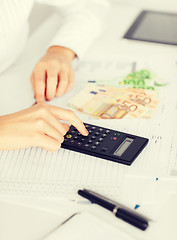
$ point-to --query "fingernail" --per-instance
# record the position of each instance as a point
(86, 132)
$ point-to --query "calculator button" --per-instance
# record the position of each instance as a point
(86, 125)
(79, 144)
(72, 141)
(93, 128)
(86, 145)
(100, 139)
(97, 143)
(82, 139)
(73, 131)
(117, 134)
(104, 135)
(90, 141)
(97, 133)
(93, 147)
(114, 138)
(90, 131)
(93, 137)
(104, 149)
(78, 134)
(76, 137)
(68, 136)
(107, 131)
(100, 129)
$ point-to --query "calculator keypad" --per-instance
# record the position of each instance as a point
(96, 137)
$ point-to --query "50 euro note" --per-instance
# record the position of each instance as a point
(104, 105)
(144, 97)
(147, 98)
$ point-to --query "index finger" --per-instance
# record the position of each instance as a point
(39, 85)
(69, 116)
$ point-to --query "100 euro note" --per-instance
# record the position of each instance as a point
(113, 103)
(143, 79)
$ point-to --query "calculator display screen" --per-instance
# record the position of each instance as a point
(123, 147)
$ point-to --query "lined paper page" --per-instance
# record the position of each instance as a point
(37, 172)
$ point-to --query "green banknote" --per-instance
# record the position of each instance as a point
(144, 79)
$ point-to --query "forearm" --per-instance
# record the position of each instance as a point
(62, 52)
(82, 22)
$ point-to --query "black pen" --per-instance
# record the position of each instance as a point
(119, 210)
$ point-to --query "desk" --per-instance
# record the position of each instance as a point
(111, 43)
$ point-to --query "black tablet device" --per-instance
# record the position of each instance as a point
(152, 26)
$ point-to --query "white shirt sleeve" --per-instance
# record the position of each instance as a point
(82, 22)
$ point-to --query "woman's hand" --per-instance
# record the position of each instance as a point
(53, 75)
(37, 126)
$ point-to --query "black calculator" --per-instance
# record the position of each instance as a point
(105, 143)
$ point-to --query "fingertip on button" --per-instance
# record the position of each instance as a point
(86, 133)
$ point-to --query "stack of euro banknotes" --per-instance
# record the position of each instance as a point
(134, 96)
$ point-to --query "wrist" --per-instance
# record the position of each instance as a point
(66, 53)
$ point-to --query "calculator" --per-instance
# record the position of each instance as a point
(105, 143)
